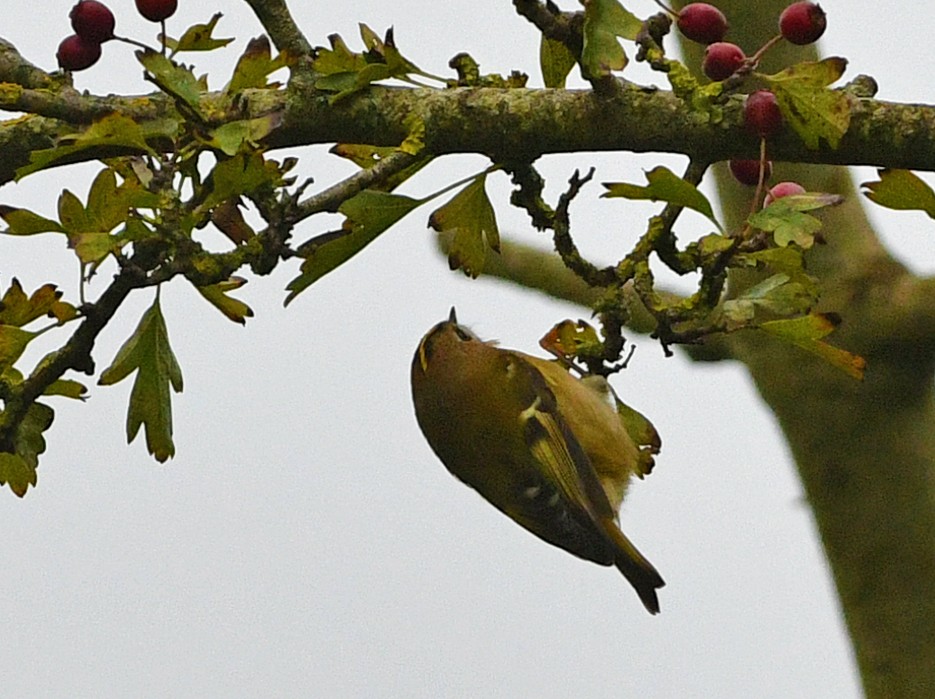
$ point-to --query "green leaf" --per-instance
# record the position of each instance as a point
(642, 432)
(175, 80)
(813, 110)
(13, 342)
(235, 309)
(786, 219)
(806, 332)
(25, 222)
(148, 353)
(470, 217)
(254, 66)
(243, 173)
(18, 469)
(67, 388)
(109, 204)
(72, 214)
(245, 134)
(198, 37)
(367, 156)
(369, 213)
(555, 61)
(901, 189)
(338, 59)
(778, 294)
(604, 21)
(665, 185)
(112, 132)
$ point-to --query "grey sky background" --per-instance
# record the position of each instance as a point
(306, 542)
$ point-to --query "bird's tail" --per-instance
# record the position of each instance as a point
(638, 571)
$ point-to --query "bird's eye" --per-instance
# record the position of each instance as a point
(463, 334)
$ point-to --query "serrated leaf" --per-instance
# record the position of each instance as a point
(469, 215)
(18, 469)
(17, 309)
(901, 189)
(198, 37)
(786, 219)
(814, 111)
(806, 332)
(25, 222)
(664, 185)
(604, 21)
(555, 61)
(369, 213)
(148, 353)
(112, 132)
(338, 59)
(13, 343)
(235, 309)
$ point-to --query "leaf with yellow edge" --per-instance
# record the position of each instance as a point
(806, 332)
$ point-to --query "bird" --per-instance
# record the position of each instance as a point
(541, 445)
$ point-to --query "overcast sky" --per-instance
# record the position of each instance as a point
(306, 542)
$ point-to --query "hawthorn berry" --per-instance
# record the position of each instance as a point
(93, 21)
(721, 60)
(157, 10)
(802, 22)
(748, 171)
(702, 22)
(761, 113)
(783, 189)
(77, 53)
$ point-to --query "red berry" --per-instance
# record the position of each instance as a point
(77, 53)
(761, 113)
(722, 60)
(92, 21)
(157, 10)
(802, 22)
(783, 189)
(702, 22)
(748, 171)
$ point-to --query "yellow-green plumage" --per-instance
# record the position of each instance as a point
(542, 446)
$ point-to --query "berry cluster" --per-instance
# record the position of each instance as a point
(800, 23)
(94, 23)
